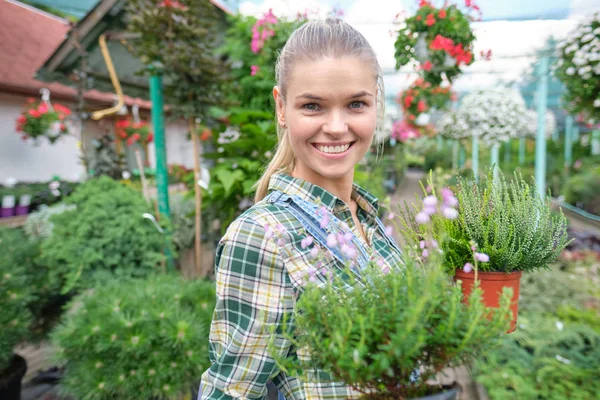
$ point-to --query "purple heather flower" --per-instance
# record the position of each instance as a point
(422, 218)
(482, 257)
(425, 253)
(325, 217)
(449, 212)
(385, 269)
(434, 244)
(280, 242)
(429, 210)
(331, 240)
(341, 238)
(349, 251)
(389, 230)
(430, 201)
(314, 251)
(422, 244)
(380, 262)
(348, 236)
(268, 231)
(307, 241)
(312, 275)
(391, 216)
(468, 267)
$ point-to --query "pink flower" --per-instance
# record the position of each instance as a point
(280, 242)
(425, 253)
(468, 267)
(427, 66)
(349, 251)
(331, 240)
(43, 108)
(269, 232)
(429, 210)
(449, 212)
(422, 218)
(430, 201)
(254, 70)
(482, 257)
(314, 251)
(325, 217)
(307, 241)
(280, 228)
(422, 244)
(391, 216)
(348, 237)
(389, 230)
(385, 269)
(341, 239)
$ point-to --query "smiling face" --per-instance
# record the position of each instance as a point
(330, 110)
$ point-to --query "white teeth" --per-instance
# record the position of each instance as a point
(333, 149)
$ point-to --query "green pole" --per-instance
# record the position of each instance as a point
(461, 157)
(495, 159)
(158, 125)
(540, 140)
(507, 151)
(576, 134)
(475, 157)
(568, 141)
(522, 144)
(596, 142)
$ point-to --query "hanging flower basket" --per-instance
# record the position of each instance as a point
(419, 100)
(578, 68)
(42, 119)
(439, 39)
(134, 132)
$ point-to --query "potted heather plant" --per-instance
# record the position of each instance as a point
(136, 339)
(506, 226)
(387, 332)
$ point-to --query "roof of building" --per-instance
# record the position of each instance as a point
(28, 37)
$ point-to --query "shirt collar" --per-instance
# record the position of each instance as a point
(308, 191)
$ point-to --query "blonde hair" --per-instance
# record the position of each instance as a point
(313, 41)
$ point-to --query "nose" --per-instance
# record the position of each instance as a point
(335, 124)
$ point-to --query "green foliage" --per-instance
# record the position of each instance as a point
(508, 221)
(181, 41)
(583, 190)
(243, 147)
(16, 291)
(373, 335)
(105, 233)
(104, 160)
(136, 338)
(247, 90)
(555, 352)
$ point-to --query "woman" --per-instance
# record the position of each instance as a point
(329, 97)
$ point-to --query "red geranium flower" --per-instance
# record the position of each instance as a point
(430, 20)
(442, 14)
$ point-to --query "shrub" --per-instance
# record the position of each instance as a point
(583, 190)
(136, 338)
(105, 233)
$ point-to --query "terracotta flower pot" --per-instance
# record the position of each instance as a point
(492, 284)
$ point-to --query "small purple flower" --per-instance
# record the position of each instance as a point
(348, 236)
(325, 217)
(331, 240)
(349, 251)
(449, 212)
(425, 253)
(345, 227)
(307, 241)
(422, 218)
(312, 275)
(391, 216)
(468, 267)
(430, 201)
(341, 239)
(314, 251)
(280, 228)
(422, 244)
(449, 199)
(386, 269)
(380, 262)
(482, 257)
(429, 210)
(389, 230)
(434, 244)
(280, 242)
(268, 231)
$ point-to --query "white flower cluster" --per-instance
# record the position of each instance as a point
(229, 136)
(453, 125)
(495, 115)
(532, 124)
(581, 50)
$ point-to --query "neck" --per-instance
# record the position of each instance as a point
(339, 187)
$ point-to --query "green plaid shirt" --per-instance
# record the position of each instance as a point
(258, 282)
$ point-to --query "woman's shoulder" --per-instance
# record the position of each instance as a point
(257, 219)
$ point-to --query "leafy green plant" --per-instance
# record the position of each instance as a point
(243, 146)
(508, 221)
(16, 292)
(38, 225)
(136, 338)
(182, 220)
(104, 159)
(106, 232)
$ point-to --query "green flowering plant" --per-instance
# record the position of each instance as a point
(439, 39)
(578, 67)
(387, 331)
(506, 223)
(136, 338)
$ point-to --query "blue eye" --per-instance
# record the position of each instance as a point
(357, 105)
(311, 107)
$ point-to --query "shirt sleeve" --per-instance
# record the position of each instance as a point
(254, 294)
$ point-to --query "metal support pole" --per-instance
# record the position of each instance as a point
(568, 141)
(596, 142)
(540, 140)
(576, 134)
(158, 125)
(495, 159)
(475, 157)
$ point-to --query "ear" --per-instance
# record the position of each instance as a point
(279, 105)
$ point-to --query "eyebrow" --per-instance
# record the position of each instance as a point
(311, 96)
